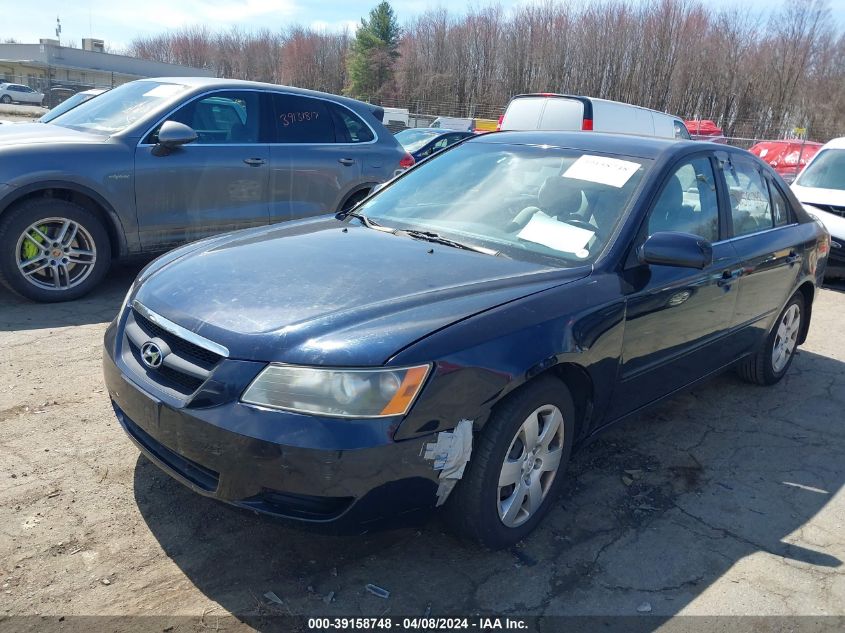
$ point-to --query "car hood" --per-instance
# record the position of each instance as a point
(818, 202)
(324, 292)
(29, 133)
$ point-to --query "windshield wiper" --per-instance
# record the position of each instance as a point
(370, 224)
(430, 236)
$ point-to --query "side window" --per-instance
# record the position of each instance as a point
(299, 119)
(349, 128)
(749, 194)
(223, 117)
(780, 207)
(688, 201)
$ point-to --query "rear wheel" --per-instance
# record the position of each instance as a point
(771, 363)
(52, 250)
(6, 99)
(517, 465)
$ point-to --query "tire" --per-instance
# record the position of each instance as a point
(6, 99)
(766, 367)
(476, 506)
(354, 199)
(58, 273)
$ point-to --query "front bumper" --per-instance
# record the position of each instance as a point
(348, 474)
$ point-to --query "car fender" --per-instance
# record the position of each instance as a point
(17, 191)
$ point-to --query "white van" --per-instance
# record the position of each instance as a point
(547, 111)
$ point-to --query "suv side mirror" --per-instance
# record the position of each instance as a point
(173, 134)
(684, 250)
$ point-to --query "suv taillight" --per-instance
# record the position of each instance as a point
(407, 161)
(499, 124)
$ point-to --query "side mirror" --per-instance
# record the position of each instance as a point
(683, 250)
(173, 134)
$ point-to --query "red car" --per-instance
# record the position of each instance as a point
(786, 157)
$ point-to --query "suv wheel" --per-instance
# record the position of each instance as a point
(769, 365)
(517, 465)
(52, 250)
(6, 99)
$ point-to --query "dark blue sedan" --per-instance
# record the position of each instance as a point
(452, 339)
(423, 142)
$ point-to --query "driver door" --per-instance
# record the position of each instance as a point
(218, 183)
(678, 320)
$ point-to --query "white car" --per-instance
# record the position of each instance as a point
(18, 93)
(820, 187)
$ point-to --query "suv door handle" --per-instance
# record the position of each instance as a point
(728, 276)
(346, 161)
(254, 162)
(793, 258)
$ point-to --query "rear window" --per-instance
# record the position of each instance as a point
(523, 114)
(302, 120)
(563, 114)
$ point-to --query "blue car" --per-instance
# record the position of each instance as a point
(453, 338)
(423, 142)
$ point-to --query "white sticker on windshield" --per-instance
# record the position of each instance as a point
(164, 90)
(560, 236)
(603, 170)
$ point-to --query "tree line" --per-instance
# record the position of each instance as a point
(756, 75)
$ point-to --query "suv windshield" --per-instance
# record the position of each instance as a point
(538, 203)
(119, 108)
(827, 171)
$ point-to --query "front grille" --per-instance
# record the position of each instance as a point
(183, 370)
(177, 345)
(298, 506)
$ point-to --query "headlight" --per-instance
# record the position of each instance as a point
(346, 393)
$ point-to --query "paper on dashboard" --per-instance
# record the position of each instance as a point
(560, 236)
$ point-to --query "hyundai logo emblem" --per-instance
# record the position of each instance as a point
(151, 355)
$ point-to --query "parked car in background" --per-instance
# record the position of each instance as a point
(423, 142)
(451, 340)
(548, 111)
(155, 163)
(705, 130)
(786, 157)
(70, 103)
(821, 189)
(18, 93)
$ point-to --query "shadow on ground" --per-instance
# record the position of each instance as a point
(100, 306)
(658, 510)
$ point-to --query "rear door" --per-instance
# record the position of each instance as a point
(318, 153)
(761, 223)
(678, 319)
(218, 183)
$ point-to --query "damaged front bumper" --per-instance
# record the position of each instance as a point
(345, 474)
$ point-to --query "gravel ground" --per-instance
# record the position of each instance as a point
(725, 500)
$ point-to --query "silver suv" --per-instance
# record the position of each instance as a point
(159, 162)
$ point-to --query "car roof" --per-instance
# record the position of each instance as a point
(623, 144)
(836, 143)
(199, 83)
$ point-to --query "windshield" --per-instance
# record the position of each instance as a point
(557, 205)
(120, 107)
(412, 140)
(68, 104)
(827, 171)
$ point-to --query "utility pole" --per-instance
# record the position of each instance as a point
(59, 30)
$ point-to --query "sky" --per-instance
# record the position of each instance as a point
(118, 22)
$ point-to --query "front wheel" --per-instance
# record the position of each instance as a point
(52, 250)
(6, 99)
(771, 363)
(517, 466)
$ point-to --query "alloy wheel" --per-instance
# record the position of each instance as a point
(786, 338)
(55, 254)
(530, 465)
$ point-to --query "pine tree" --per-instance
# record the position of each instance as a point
(374, 53)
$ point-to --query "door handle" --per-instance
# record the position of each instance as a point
(793, 258)
(346, 161)
(254, 162)
(729, 276)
